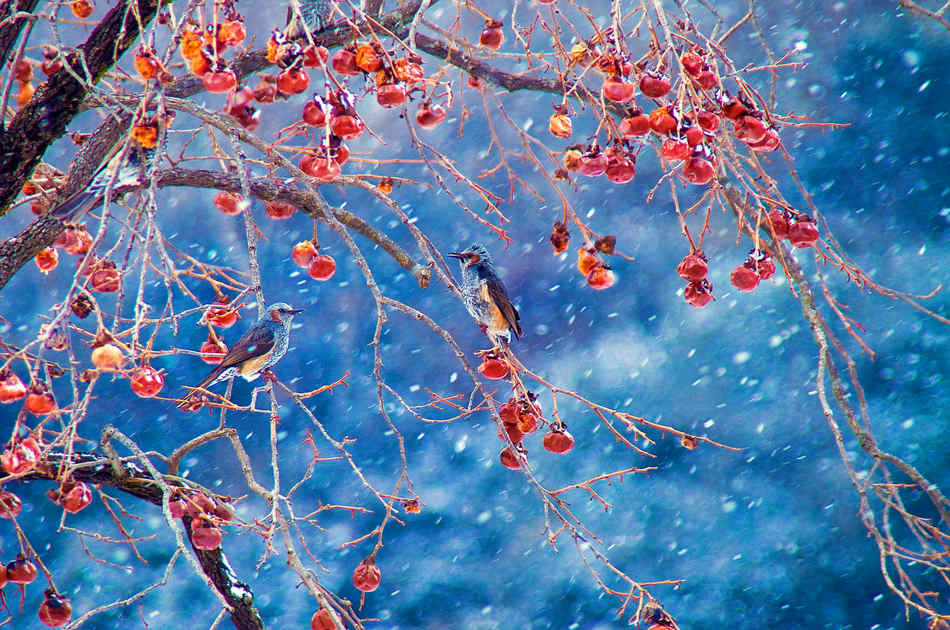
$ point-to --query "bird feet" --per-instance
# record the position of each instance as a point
(268, 376)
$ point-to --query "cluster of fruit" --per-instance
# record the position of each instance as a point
(797, 228)
(686, 120)
(394, 79)
(55, 611)
(205, 517)
(306, 255)
(521, 417)
(19, 458)
(23, 74)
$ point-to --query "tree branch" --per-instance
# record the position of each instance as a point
(270, 190)
(19, 250)
(131, 479)
(44, 119)
(11, 30)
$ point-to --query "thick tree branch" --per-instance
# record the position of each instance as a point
(11, 30)
(21, 249)
(45, 118)
(128, 477)
(483, 70)
(270, 190)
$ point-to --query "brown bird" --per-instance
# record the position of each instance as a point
(485, 296)
(263, 345)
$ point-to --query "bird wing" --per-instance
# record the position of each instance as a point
(499, 297)
(314, 14)
(126, 162)
(256, 342)
(76, 206)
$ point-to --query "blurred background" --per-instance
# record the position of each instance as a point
(768, 535)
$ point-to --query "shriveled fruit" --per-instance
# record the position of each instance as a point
(228, 202)
(674, 150)
(692, 268)
(21, 456)
(600, 278)
(430, 116)
(347, 127)
(750, 129)
(699, 171)
(82, 8)
(21, 571)
(586, 260)
(206, 537)
(212, 352)
(558, 441)
(560, 125)
(292, 81)
(765, 268)
(107, 357)
(105, 278)
(654, 85)
(71, 496)
(593, 164)
(391, 95)
(492, 36)
(635, 125)
(367, 59)
(698, 294)
(344, 62)
(10, 506)
(222, 314)
(313, 113)
(617, 90)
(779, 224)
(744, 279)
(47, 259)
(620, 170)
(367, 576)
(661, 121)
(509, 459)
(302, 253)
(12, 388)
(55, 611)
(323, 619)
(219, 81)
(803, 233)
(40, 402)
(279, 209)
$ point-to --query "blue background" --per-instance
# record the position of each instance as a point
(766, 536)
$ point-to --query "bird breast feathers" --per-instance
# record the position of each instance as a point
(498, 320)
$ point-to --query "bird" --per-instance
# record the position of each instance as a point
(313, 16)
(122, 169)
(264, 344)
(485, 296)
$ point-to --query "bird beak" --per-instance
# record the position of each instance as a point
(456, 254)
(296, 311)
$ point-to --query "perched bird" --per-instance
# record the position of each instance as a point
(485, 296)
(124, 168)
(314, 15)
(263, 345)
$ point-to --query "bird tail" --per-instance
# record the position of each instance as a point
(188, 398)
(76, 206)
